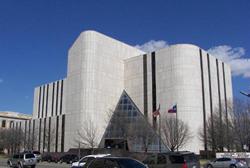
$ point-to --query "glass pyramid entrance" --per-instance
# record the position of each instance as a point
(128, 129)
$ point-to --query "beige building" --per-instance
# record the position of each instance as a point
(8, 118)
(12, 120)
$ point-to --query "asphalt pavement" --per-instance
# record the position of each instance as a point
(3, 164)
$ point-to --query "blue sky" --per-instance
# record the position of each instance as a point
(35, 36)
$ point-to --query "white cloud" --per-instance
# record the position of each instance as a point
(152, 45)
(240, 66)
(1, 80)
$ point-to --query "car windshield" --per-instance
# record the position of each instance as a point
(28, 156)
(129, 163)
(84, 160)
(190, 158)
(176, 159)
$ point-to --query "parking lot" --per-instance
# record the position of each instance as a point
(3, 164)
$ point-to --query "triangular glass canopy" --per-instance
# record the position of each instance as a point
(129, 129)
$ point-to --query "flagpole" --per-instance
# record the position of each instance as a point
(177, 131)
(159, 132)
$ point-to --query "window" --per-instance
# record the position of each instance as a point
(150, 159)
(127, 163)
(111, 164)
(36, 152)
(227, 159)
(222, 159)
(98, 163)
(87, 159)
(125, 107)
(161, 159)
(176, 159)
(190, 158)
(29, 155)
(3, 123)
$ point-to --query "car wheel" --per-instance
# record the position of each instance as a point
(19, 165)
(209, 166)
(233, 166)
(33, 166)
(9, 164)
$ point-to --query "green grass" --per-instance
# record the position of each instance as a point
(3, 156)
(203, 162)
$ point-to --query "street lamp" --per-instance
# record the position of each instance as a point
(244, 93)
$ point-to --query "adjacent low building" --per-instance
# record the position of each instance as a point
(101, 70)
(8, 118)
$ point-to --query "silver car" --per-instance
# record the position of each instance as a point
(226, 163)
(37, 155)
(22, 160)
(86, 159)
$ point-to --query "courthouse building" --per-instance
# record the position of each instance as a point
(8, 118)
(102, 70)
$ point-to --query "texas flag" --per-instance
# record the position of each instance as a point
(173, 109)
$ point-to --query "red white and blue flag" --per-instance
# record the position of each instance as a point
(157, 111)
(173, 109)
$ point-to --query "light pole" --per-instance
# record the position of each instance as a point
(245, 94)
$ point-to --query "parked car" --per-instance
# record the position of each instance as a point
(51, 157)
(22, 160)
(46, 157)
(227, 163)
(37, 155)
(114, 162)
(80, 163)
(69, 158)
(172, 159)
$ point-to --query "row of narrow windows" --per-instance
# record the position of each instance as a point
(29, 132)
(43, 97)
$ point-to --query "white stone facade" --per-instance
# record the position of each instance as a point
(178, 81)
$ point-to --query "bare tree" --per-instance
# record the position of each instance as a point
(87, 135)
(11, 139)
(242, 125)
(222, 127)
(175, 133)
(216, 133)
(141, 132)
